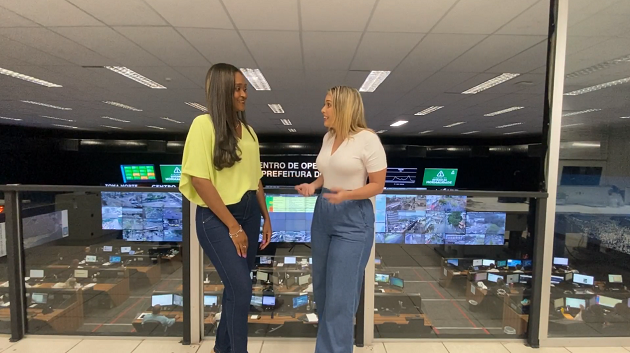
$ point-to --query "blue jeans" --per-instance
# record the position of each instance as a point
(234, 270)
(341, 238)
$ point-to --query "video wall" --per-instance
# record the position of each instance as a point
(143, 216)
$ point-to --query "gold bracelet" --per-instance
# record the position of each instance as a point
(235, 235)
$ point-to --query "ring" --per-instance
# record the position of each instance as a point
(243, 246)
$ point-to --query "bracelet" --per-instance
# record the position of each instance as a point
(235, 235)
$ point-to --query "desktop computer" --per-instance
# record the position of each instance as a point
(115, 259)
(381, 278)
(162, 300)
(300, 301)
(210, 300)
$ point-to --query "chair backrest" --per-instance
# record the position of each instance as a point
(149, 327)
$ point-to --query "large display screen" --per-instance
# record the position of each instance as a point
(171, 173)
(401, 177)
(143, 216)
(439, 177)
(138, 173)
(291, 217)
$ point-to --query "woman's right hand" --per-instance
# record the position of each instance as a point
(240, 240)
(305, 189)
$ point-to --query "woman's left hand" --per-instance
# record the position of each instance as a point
(336, 196)
(266, 234)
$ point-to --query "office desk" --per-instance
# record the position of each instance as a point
(153, 274)
(512, 318)
(448, 274)
(67, 319)
(218, 289)
(401, 320)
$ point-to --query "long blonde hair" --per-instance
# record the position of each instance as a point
(349, 112)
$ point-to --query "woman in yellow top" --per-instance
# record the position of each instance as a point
(221, 174)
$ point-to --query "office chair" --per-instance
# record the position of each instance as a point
(153, 328)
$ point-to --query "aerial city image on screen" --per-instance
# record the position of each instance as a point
(143, 216)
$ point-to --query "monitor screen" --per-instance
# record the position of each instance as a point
(291, 216)
(438, 177)
(528, 263)
(138, 173)
(290, 260)
(575, 303)
(488, 262)
(501, 263)
(81, 274)
(39, 298)
(310, 260)
(36, 273)
(262, 276)
(561, 261)
(611, 278)
(381, 278)
(401, 177)
(90, 258)
(265, 260)
(515, 278)
(300, 301)
(585, 280)
(170, 173)
(607, 301)
(178, 300)
(377, 261)
(525, 279)
(125, 249)
(162, 299)
(557, 279)
(454, 262)
(494, 278)
(269, 300)
(568, 277)
(107, 248)
(477, 262)
(481, 276)
(558, 303)
(256, 300)
(115, 259)
(302, 280)
(514, 263)
(397, 282)
(210, 300)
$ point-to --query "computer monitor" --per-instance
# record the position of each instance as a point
(453, 262)
(107, 248)
(558, 303)
(478, 262)
(501, 263)
(300, 301)
(302, 280)
(262, 276)
(611, 278)
(557, 279)
(514, 263)
(381, 278)
(81, 274)
(162, 299)
(377, 261)
(397, 282)
(525, 279)
(575, 303)
(515, 278)
(125, 249)
(265, 260)
(178, 300)
(568, 277)
(115, 259)
(90, 258)
(310, 260)
(36, 273)
(210, 300)
(268, 300)
(290, 260)
(607, 301)
(256, 300)
(561, 261)
(494, 278)
(528, 263)
(583, 280)
(39, 298)
(482, 276)
(487, 263)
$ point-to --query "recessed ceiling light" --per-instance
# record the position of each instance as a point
(172, 120)
(292, 130)
(504, 111)
(381, 131)
(598, 67)
(13, 119)
(469, 132)
(46, 105)
(490, 83)
(65, 126)
(455, 124)
(624, 117)
(598, 87)
(514, 133)
(276, 108)
(124, 106)
(581, 112)
(429, 110)
(114, 119)
(155, 127)
(55, 118)
(256, 79)
(508, 125)
(112, 127)
(571, 125)
(286, 122)
(426, 132)
(399, 123)
(586, 144)
(374, 79)
(198, 106)
(28, 78)
(130, 74)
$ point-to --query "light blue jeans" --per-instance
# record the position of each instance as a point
(341, 238)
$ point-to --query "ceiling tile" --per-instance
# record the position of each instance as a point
(273, 49)
(193, 13)
(329, 50)
(10, 19)
(165, 43)
(601, 25)
(196, 74)
(481, 16)
(219, 45)
(534, 21)
(408, 15)
(322, 81)
(264, 15)
(121, 12)
(432, 55)
(336, 15)
(52, 13)
(29, 54)
(384, 51)
(525, 61)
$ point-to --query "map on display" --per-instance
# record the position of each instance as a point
(291, 217)
(38, 230)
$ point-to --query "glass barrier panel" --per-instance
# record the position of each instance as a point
(5, 315)
(103, 263)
